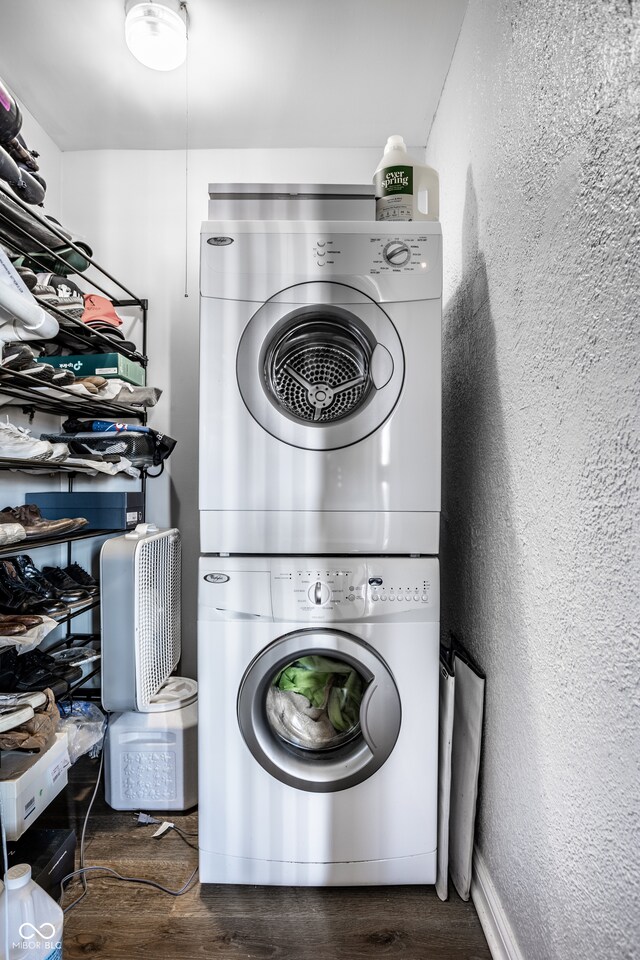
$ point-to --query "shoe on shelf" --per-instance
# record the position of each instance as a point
(16, 351)
(11, 626)
(36, 581)
(59, 452)
(64, 584)
(36, 525)
(13, 717)
(11, 533)
(62, 378)
(15, 597)
(8, 669)
(79, 575)
(28, 620)
(50, 297)
(39, 678)
(20, 358)
(27, 276)
(16, 443)
(37, 670)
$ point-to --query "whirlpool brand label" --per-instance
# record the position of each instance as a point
(216, 578)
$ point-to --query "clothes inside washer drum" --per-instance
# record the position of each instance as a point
(294, 719)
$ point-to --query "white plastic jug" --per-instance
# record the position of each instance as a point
(30, 920)
(405, 189)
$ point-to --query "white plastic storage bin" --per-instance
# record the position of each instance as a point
(151, 758)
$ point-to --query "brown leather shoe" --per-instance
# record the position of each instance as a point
(28, 620)
(36, 525)
(9, 627)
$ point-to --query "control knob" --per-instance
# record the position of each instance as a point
(397, 253)
(319, 593)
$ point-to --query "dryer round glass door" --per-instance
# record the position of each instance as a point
(319, 710)
(320, 366)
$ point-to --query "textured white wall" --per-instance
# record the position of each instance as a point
(536, 143)
(144, 227)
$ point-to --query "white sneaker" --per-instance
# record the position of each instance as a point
(17, 444)
(59, 452)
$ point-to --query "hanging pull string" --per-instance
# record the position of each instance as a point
(183, 6)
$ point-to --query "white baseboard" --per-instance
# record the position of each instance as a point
(498, 932)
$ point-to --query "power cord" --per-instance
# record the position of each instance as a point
(114, 873)
(141, 818)
(145, 819)
(85, 889)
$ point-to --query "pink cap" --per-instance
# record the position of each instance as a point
(99, 308)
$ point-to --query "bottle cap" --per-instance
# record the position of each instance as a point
(396, 142)
(18, 876)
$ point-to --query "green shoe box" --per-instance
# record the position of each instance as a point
(100, 365)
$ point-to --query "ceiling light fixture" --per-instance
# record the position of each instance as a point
(156, 32)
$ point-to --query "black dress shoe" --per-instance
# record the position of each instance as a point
(80, 576)
(16, 598)
(37, 661)
(36, 581)
(8, 670)
(63, 582)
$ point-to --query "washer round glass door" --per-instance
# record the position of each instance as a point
(320, 366)
(319, 710)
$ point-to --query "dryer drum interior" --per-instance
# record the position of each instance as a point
(318, 368)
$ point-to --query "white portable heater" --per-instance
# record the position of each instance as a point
(151, 743)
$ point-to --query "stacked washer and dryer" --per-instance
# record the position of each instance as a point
(319, 496)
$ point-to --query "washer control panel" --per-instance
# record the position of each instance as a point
(329, 590)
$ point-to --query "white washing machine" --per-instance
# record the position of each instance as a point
(318, 720)
(320, 346)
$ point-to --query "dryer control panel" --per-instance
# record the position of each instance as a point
(328, 590)
(253, 261)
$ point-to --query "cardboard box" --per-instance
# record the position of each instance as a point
(118, 510)
(109, 365)
(29, 782)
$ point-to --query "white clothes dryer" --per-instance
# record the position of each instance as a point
(320, 408)
(318, 720)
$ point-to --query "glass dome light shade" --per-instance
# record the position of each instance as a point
(156, 33)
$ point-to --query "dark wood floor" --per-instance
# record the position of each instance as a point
(120, 921)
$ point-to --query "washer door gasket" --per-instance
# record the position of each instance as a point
(320, 375)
